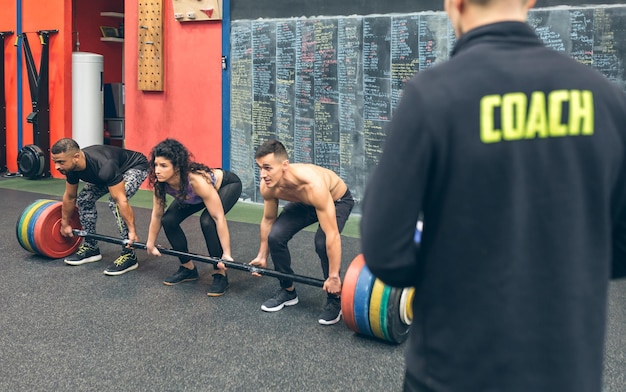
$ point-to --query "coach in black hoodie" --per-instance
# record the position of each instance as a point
(516, 157)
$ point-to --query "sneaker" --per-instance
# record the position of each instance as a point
(84, 254)
(126, 262)
(219, 285)
(182, 275)
(332, 311)
(281, 299)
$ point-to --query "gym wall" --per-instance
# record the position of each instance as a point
(48, 15)
(326, 86)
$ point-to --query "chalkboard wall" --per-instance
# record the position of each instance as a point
(327, 86)
(254, 9)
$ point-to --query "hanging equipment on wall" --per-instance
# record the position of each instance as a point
(3, 111)
(33, 160)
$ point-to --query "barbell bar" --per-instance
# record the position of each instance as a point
(375, 307)
(206, 259)
(369, 307)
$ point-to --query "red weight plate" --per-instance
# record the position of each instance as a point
(347, 291)
(48, 233)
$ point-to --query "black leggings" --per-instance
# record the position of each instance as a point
(295, 217)
(229, 193)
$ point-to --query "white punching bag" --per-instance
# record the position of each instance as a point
(87, 98)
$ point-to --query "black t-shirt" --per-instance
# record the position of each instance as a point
(514, 154)
(106, 165)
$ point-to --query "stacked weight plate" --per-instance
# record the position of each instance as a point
(38, 230)
(373, 308)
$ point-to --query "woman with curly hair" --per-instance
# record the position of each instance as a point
(194, 187)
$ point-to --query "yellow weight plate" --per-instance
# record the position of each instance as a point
(24, 222)
(375, 303)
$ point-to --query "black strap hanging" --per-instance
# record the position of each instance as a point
(34, 160)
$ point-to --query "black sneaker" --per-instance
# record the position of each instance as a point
(182, 275)
(219, 285)
(332, 311)
(126, 262)
(281, 299)
(84, 254)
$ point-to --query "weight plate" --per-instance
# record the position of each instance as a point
(376, 299)
(32, 240)
(384, 309)
(406, 304)
(362, 295)
(22, 225)
(347, 291)
(20, 222)
(397, 330)
(31, 161)
(50, 242)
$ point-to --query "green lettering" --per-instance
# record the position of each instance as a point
(555, 110)
(487, 108)
(513, 115)
(581, 112)
(537, 122)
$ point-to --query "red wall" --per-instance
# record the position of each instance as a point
(189, 108)
(86, 26)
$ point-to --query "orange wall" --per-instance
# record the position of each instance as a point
(38, 15)
(189, 108)
(8, 23)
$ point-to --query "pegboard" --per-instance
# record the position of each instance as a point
(150, 62)
(197, 10)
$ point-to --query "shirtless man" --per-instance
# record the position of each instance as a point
(315, 194)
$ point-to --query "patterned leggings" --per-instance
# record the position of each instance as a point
(90, 193)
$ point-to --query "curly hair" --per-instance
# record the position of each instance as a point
(182, 160)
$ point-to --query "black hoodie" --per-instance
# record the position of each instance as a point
(515, 156)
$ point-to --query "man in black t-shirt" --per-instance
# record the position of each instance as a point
(104, 169)
(513, 156)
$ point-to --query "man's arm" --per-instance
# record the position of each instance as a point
(118, 194)
(270, 212)
(395, 194)
(327, 218)
(67, 210)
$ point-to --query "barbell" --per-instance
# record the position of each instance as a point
(369, 307)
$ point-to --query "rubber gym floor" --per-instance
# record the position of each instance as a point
(76, 329)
